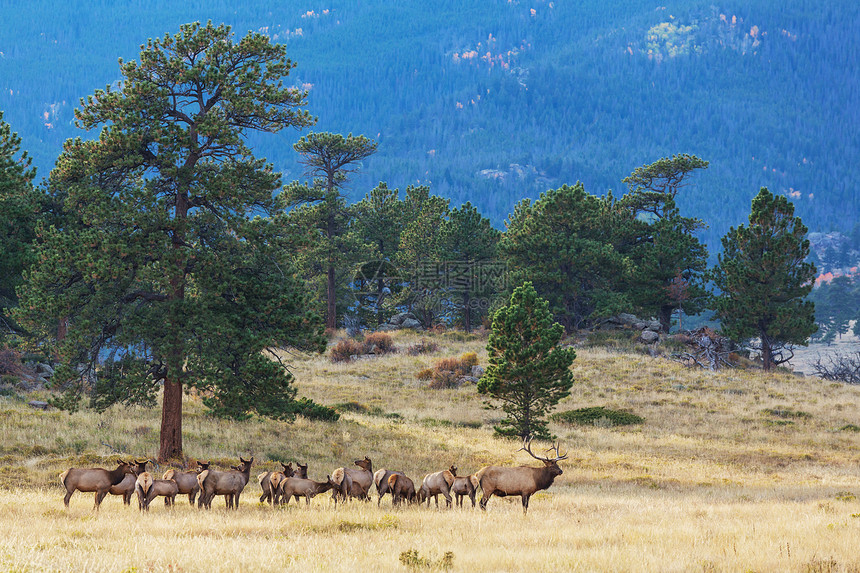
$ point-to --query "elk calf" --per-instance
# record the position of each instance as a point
(465, 486)
(98, 480)
(402, 489)
(303, 487)
(269, 482)
(148, 488)
(125, 488)
(381, 480)
(522, 481)
(436, 484)
(358, 482)
(185, 481)
(229, 484)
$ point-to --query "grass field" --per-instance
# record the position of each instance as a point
(731, 471)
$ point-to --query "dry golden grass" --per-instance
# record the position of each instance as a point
(731, 471)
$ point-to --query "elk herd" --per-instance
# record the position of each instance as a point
(204, 483)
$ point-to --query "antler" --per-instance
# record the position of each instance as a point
(527, 448)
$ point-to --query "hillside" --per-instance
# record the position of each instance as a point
(735, 470)
(495, 101)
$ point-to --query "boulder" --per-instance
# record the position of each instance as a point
(477, 371)
(411, 323)
(400, 318)
(649, 336)
(468, 380)
(38, 404)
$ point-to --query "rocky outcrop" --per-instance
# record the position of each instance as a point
(400, 321)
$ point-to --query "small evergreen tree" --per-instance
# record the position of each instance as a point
(763, 280)
(529, 372)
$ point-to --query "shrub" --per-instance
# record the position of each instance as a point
(597, 416)
(10, 362)
(783, 412)
(345, 349)
(383, 342)
(444, 379)
(423, 346)
(425, 374)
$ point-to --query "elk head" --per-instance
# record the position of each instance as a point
(288, 469)
(364, 464)
(453, 470)
(202, 466)
(551, 463)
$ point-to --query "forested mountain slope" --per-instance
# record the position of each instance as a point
(495, 100)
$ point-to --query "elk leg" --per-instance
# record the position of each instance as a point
(236, 500)
(67, 497)
(485, 498)
(525, 503)
(447, 498)
(100, 495)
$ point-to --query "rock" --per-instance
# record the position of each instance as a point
(626, 318)
(398, 319)
(477, 371)
(640, 325)
(385, 327)
(411, 323)
(42, 368)
(468, 380)
(649, 336)
(38, 404)
(654, 326)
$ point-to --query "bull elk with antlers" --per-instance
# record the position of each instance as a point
(522, 481)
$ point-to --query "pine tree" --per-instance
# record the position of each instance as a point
(19, 208)
(529, 373)
(469, 245)
(167, 281)
(763, 280)
(665, 244)
(566, 244)
(329, 157)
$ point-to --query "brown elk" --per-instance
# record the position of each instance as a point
(125, 488)
(436, 484)
(98, 480)
(464, 486)
(227, 483)
(148, 488)
(381, 480)
(185, 481)
(269, 482)
(522, 481)
(302, 487)
(358, 484)
(402, 489)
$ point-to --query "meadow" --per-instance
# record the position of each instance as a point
(735, 470)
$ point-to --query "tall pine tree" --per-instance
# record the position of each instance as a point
(763, 279)
(167, 281)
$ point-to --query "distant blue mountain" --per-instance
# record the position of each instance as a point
(495, 100)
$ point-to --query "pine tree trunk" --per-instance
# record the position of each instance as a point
(467, 313)
(665, 317)
(171, 421)
(331, 310)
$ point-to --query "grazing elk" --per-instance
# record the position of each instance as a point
(229, 484)
(186, 481)
(302, 487)
(380, 479)
(125, 488)
(148, 488)
(269, 482)
(98, 480)
(464, 486)
(402, 489)
(522, 481)
(435, 484)
(358, 484)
